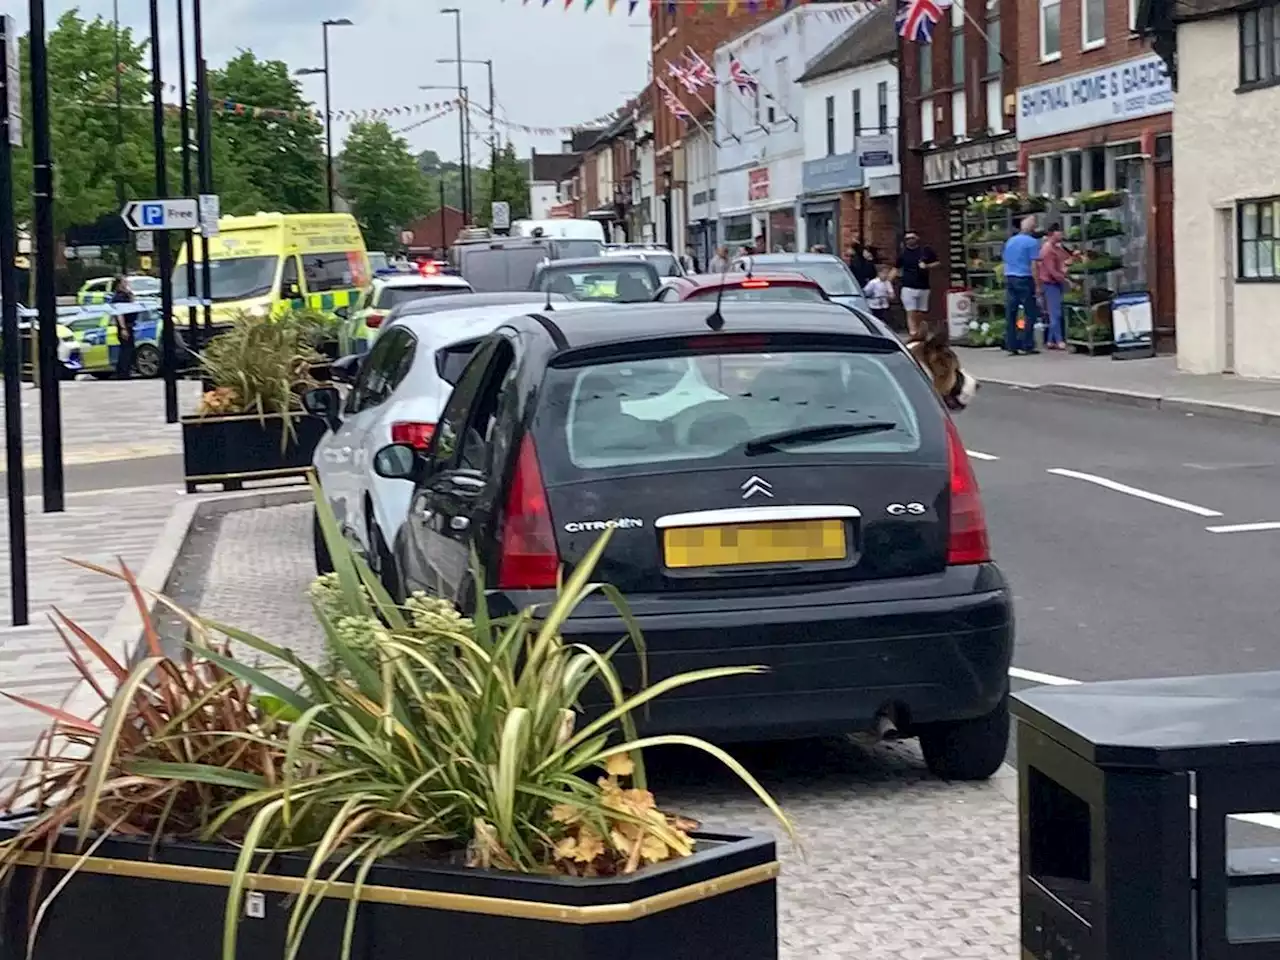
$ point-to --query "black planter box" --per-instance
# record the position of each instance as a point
(230, 450)
(125, 901)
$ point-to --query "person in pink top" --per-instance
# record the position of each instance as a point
(1053, 284)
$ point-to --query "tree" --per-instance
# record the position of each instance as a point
(383, 182)
(508, 181)
(281, 158)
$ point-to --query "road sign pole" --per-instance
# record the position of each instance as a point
(165, 254)
(185, 122)
(54, 488)
(10, 342)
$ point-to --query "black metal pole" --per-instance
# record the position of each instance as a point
(185, 121)
(54, 489)
(204, 156)
(493, 134)
(463, 128)
(162, 236)
(115, 155)
(19, 607)
(444, 240)
(328, 120)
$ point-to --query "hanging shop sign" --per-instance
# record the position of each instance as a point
(1121, 91)
(875, 149)
(758, 184)
(972, 162)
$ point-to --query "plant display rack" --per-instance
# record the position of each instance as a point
(988, 222)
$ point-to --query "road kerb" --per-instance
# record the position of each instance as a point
(1151, 401)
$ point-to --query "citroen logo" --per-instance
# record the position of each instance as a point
(756, 485)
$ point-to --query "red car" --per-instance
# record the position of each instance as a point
(739, 287)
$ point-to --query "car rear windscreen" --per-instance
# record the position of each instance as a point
(789, 293)
(391, 297)
(611, 283)
(722, 409)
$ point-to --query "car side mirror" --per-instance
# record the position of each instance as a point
(345, 369)
(324, 402)
(396, 461)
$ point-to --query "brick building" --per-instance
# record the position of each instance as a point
(958, 101)
(1095, 112)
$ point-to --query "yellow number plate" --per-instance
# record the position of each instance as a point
(746, 543)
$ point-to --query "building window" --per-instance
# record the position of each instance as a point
(1050, 29)
(959, 115)
(726, 107)
(1259, 230)
(1093, 25)
(924, 60)
(783, 87)
(957, 57)
(1260, 45)
(857, 113)
(882, 106)
(994, 60)
(995, 106)
(926, 121)
(831, 126)
(1133, 16)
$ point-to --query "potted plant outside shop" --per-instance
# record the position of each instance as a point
(430, 788)
(250, 424)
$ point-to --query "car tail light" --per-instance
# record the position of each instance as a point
(754, 284)
(968, 541)
(428, 268)
(530, 560)
(416, 435)
(374, 319)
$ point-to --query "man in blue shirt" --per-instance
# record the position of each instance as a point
(1021, 278)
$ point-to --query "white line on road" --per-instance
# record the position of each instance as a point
(1244, 527)
(980, 456)
(1135, 492)
(1270, 820)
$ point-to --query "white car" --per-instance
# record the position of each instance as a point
(664, 261)
(385, 294)
(396, 397)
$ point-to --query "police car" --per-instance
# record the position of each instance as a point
(389, 289)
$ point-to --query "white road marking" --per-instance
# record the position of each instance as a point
(980, 456)
(1244, 527)
(1270, 820)
(1135, 492)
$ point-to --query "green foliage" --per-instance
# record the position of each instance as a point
(261, 365)
(382, 180)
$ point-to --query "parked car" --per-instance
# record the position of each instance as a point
(360, 328)
(787, 492)
(495, 264)
(739, 287)
(666, 262)
(825, 269)
(395, 395)
(610, 279)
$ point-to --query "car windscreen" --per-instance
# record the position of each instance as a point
(774, 292)
(378, 261)
(390, 297)
(613, 283)
(233, 278)
(708, 409)
(664, 263)
(144, 286)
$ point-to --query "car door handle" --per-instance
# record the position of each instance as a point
(459, 523)
(467, 482)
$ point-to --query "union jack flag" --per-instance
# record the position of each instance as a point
(684, 75)
(743, 78)
(672, 103)
(916, 18)
(699, 71)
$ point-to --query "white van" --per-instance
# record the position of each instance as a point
(559, 229)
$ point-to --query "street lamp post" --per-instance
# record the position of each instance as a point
(493, 128)
(328, 105)
(115, 156)
(464, 120)
(164, 253)
(184, 120)
(204, 157)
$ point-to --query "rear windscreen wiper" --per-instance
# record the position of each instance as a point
(818, 433)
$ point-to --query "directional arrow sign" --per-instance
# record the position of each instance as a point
(179, 214)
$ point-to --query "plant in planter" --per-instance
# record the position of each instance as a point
(438, 786)
(250, 423)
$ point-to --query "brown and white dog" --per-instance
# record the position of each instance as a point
(937, 358)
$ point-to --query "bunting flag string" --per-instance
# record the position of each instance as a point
(730, 8)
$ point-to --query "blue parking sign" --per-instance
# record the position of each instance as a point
(153, 214)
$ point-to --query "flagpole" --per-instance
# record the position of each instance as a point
(670, 93)
(689, 87)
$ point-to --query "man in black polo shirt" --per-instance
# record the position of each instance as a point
(914, 263)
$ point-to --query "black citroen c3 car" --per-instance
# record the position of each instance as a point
(785, 489)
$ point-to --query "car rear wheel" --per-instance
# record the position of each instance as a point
(146, 362)
(967, 749)
(324, 562)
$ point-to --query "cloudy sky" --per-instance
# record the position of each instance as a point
(551, 67)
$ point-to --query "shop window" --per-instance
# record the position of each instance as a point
(1036, 173)
(1050, 29)
(1260, 45)
(1097, 169)
(1075, 173)
(831, 126)
(959, 115)
(995, 106)
(925, 61)
(994, 61)
(957, 55)
(1055, 176)
(926, 121)
(882, 106)
(857, 113)
(1119, 156)
(1093, 25)
(1259, 232)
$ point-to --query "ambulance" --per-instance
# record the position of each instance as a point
(265, 263)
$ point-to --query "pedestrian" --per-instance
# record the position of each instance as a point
(879, 292)
(914, 263)
(1021, 258)
(720, 262)
(690, 262)
(862, 264)
(1054, 258)
(122, 296)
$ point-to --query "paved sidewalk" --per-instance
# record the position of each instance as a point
(98, 527)
(896, 865)
(1153, 383)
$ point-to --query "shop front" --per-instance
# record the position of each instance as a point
(758, 206)
(826, 182)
